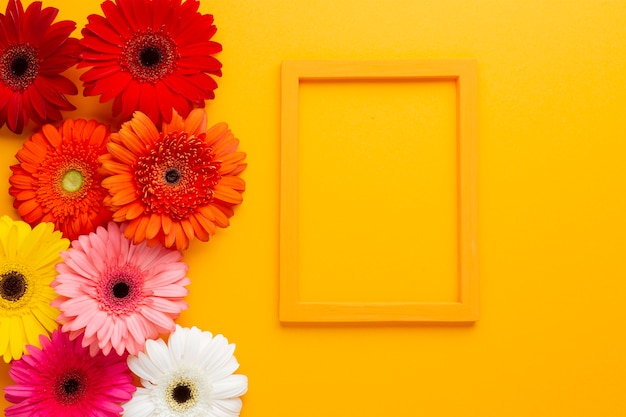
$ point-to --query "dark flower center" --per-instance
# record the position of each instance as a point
(19, 66)
(121, 290)
(12, 286)
(181, 394)
(172, 176)
(70, 387)
(149, 56)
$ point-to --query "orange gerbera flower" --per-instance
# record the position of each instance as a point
(175, 185)
(58, 178)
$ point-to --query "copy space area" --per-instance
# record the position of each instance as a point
(377, 191)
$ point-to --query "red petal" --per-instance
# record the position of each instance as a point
(165, 102)
(114, 85)
(37, 103)
(100, 27)
(99, 73)
(66, 56)
(195, 32)
(187, 17)
(16, 116)
(55, 39)
(49, 91)
(98, 45)
(181, 85)
(147, 102)
(204, 63)
(161, 11)
(142, 14)
(130, 99)
(117, 19)
(126, 9)
(14, 21)
(35, 23)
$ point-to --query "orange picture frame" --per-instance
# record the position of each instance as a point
(463, 73)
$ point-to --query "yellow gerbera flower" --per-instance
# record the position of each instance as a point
(27, 260)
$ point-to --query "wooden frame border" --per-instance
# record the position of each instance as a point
(464, 73)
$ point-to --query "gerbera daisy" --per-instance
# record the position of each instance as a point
(191, 376)
(151, 56)
(176, 184)
(33, 53)
(27, 260)
(62, 379)
(57, 179)
(116, 293)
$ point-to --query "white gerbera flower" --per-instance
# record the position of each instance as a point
(191, 376)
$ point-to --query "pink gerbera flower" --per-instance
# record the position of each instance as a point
(63, 379)
(117, 293)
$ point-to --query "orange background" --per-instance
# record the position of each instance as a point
(550, 339)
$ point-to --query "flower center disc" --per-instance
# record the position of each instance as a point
(19, 66)
(72, 181)
(121, 290)
(12, 286)
(70, 387)
(182, 395)
(172, 176)
(149, 56)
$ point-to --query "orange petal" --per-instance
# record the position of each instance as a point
(122, 154)
(125, 196)
(170, 238)
(132, 141)
(231, 181)
(205, 223)
(154, 226)
(196, 122)
(219, 217)
(52, 134)
(199, 231)
(140, 233)
(135, 210)
(177, 124)
(227, 195)
(144, 128)
(188, 228)
(166, 223)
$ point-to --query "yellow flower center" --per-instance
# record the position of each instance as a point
(72, 181)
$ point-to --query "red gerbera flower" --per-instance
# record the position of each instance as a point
(151, 56)
(33, 53)
(57, 179)
(174, 185)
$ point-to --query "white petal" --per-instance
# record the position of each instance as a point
(231, 406)
(159, 356)
(233, 386)
(140, 405)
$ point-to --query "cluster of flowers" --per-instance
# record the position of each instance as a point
(92, 276)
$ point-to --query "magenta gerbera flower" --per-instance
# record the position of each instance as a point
(34, 51)
(117, 293)
(151, 56)
(63, 379)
